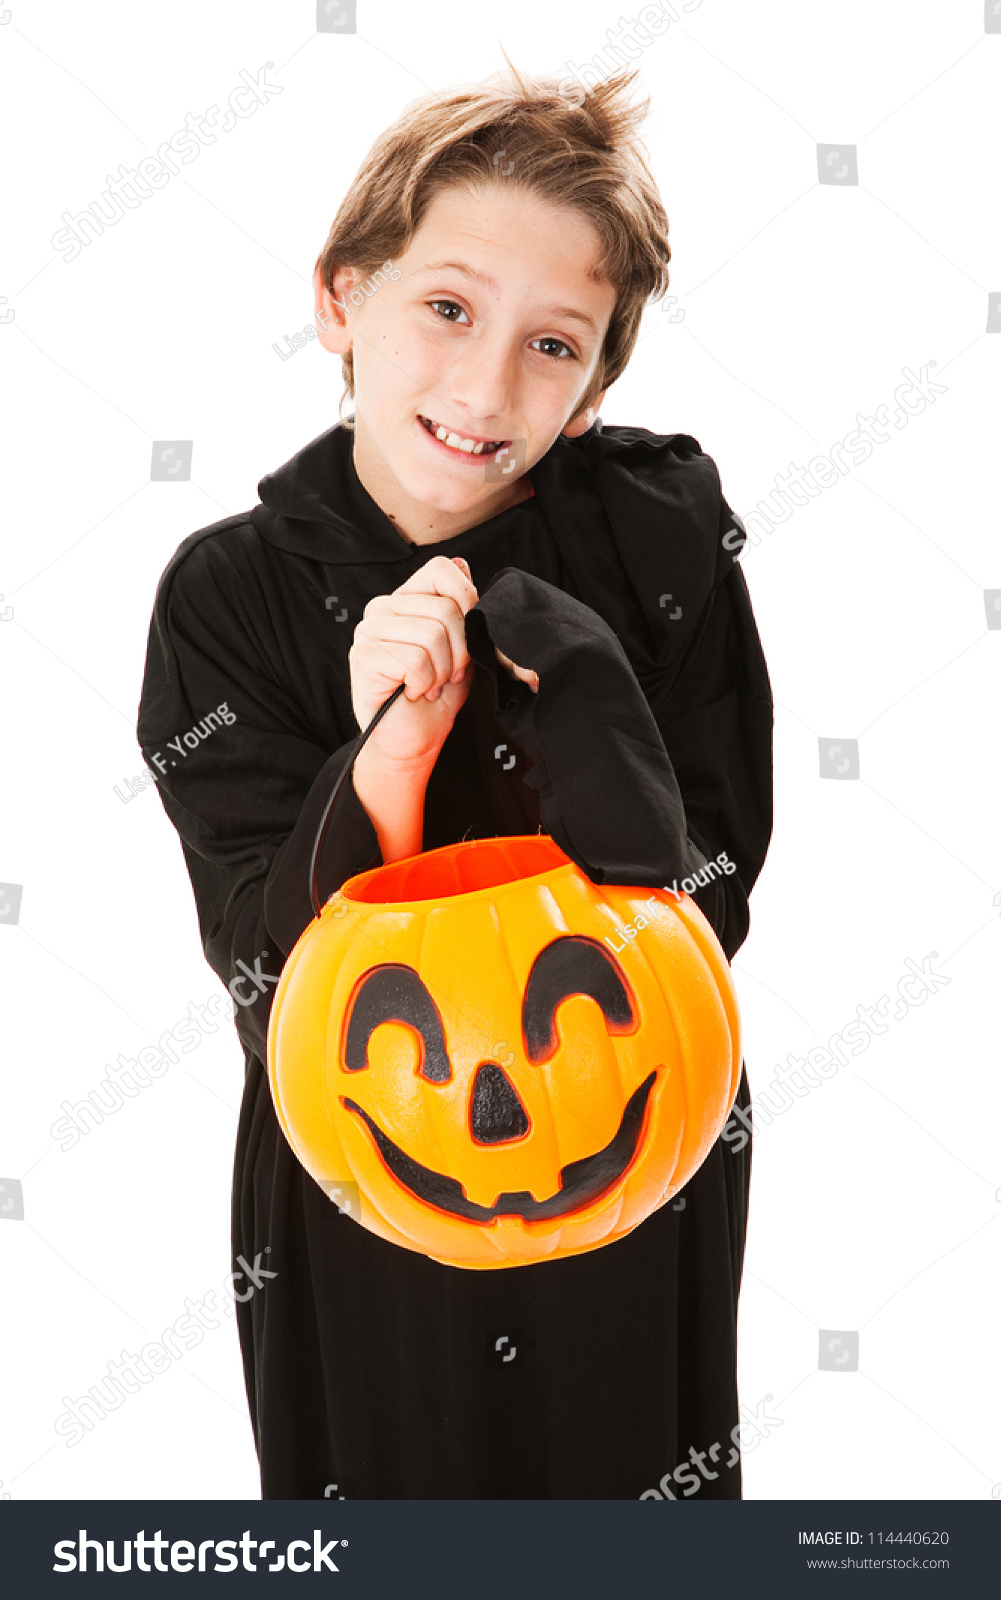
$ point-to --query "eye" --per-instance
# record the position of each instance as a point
(452, 307)
(551, 353)
(393, 992)
(572, 964)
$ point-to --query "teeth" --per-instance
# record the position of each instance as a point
(455, 441)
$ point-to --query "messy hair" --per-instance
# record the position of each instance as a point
(577, 149)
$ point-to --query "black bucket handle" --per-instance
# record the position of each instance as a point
(321, 832)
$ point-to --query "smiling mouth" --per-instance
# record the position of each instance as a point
(460, 443)
(581, 1182)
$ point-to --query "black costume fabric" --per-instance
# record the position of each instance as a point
(646, 752)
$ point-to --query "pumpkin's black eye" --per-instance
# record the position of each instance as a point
(395, 993)
(571, 965)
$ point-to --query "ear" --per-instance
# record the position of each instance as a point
(581, 424)
(332, 319)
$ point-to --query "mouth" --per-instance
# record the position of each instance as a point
(581, 1182)
(465, 446)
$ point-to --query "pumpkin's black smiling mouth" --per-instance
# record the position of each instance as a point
(581, 1182)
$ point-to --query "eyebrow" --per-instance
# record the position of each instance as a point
(489, 283)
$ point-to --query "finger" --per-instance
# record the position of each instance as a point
(442, 576)
(376, 670)
(381, 612)
(419, 646)
(384, 669)
(443, 639)
(525, 674)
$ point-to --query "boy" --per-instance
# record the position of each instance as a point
(564, 606)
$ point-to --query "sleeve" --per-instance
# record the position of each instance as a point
(699, 659)
(246, 788)
(610, 793)
(717, 722)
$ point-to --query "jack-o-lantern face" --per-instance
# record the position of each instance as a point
(515, 1066)
(496, 1112)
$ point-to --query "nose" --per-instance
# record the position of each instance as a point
(495, 1112)
(483, 386)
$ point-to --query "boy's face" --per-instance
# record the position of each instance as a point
(492, 333)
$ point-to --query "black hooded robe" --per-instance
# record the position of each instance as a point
(645, 753)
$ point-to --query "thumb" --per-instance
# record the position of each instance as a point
(463, 565)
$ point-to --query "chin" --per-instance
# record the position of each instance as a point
(440, 493)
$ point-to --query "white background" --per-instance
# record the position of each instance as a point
(874, 1199)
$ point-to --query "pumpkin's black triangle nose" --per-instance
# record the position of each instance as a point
(495, 1112)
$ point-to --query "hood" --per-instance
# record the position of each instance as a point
(304, 507)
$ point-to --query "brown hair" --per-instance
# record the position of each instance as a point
(578, 149)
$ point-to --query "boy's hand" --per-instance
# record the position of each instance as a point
(417, 636)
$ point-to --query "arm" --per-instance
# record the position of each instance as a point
(717, 724)
(414, 635)
(699, 665)
(393, 797)
(247, 802)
